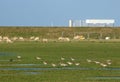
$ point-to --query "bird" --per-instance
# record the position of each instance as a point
(77, 64)
(54, 65)
(19, 57)
(103, 65)
(45, 63)
(72, 59)
(109, 62)
(89, 60)
(63, 64)
(70, 63)
(38, 58)
(97, 62)
(62, 58)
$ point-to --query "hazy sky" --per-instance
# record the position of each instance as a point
(56, 12)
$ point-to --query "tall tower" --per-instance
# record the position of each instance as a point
(70, 23)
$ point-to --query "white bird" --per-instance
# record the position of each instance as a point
(19, 57)
(62, 58)
(63, 64)
(70, 63)
(89, 60)
(109, 63)
(54, 65)
(97, 62)
(38, 58)
(45, 63)
(103, 65)
(72, 59)
(77, 64)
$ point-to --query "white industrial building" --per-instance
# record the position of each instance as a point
(92, 23)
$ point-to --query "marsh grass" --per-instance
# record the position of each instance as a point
(51, 53)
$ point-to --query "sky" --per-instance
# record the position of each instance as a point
(56, 12)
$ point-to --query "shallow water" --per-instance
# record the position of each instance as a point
(6, 54)
(60, 68)
(30, 70)
(35, 71)
(22, 73)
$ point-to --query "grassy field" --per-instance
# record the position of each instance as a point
(30, 69)
(55, 32)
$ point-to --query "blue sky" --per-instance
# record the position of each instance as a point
(56, 12)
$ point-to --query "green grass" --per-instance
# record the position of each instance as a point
(51, 53)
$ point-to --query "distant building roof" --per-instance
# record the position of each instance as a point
(100, 21)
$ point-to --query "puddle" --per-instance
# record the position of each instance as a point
(6, 54)
(22, 73)
(60, 68)
(31, 73)
(51, 68)
(105, 78)
(26, 65)
(28, 69)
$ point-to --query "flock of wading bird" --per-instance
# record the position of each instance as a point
(64, 62)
